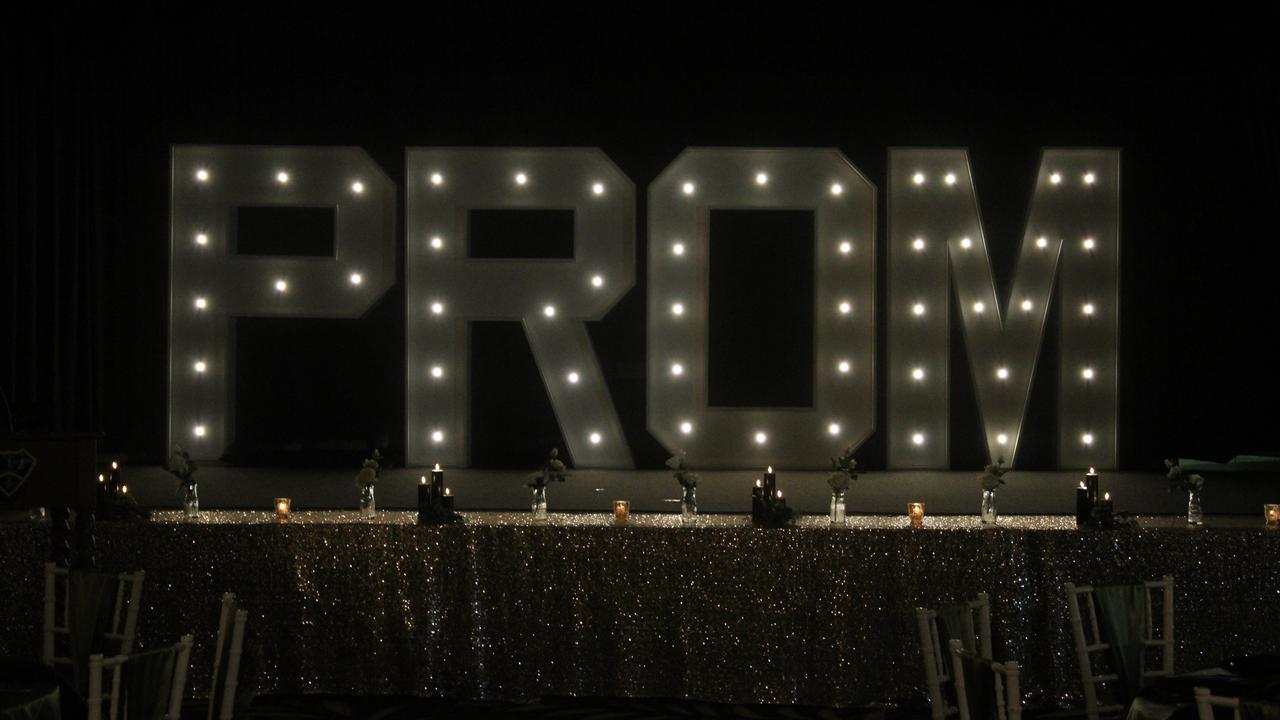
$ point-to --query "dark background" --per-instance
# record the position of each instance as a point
(90, 105)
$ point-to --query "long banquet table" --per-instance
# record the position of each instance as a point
(721, 611)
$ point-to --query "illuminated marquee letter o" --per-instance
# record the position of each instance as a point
(843, 201)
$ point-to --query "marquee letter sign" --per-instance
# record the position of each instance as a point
(843, 201)
(1069, 255)
(211, 285)
(552, 298)
(936, 239)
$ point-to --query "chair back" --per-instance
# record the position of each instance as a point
(1005, 690)
(1090, 642)
(1207, 701)
(59, 646)
(226, 659)
(175, 676)
(933, 650)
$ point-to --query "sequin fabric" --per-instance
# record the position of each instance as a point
(499, 608)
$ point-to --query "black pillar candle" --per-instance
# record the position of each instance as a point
(1084, 508)
(1091, 485)
(446, 501)
(424, 500)
(437, 482)
(770, 483)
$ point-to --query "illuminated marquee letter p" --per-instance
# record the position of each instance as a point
(210, 285)
(552, 298)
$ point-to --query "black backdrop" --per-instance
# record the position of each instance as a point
(91, 105)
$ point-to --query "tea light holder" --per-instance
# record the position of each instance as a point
(1271, 513)
(915, 511)
(283, 506)
(621, 512)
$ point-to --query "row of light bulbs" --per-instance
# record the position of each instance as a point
(918, 244)
(1055, 178)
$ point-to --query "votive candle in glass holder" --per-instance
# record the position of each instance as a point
(282, 509)
(1271, 513)
(915, 511)
(621, 512)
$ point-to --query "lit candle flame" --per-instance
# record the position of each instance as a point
(115, 465)
(437, 467)
(124, 489)
(779, 494)
(101, 478)
(422, 480)
(1106, 496)
(770, 470)
(447, 491)
(1092, 471)
(1082, 485)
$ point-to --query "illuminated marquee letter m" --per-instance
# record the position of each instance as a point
(1072, 238)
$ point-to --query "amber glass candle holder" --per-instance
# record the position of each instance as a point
(621, 512)
(1271, 514)
(915, 511)
(283, 506)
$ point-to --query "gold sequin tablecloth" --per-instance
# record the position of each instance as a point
(498, 608)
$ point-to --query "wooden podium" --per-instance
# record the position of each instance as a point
(50, 471)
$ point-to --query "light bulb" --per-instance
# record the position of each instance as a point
(357, 187)
(594, 438)
(1087, 373)
(437, 178)
(437, 436)
(834, 428)
(282, 177)
(1055, 178)
(521, 178)
(677, 369)
(437, 308)
(437, 242)
(201, 303)
(950, 179)
(200, 366)
(1002, 373)
(918, 309)
(1087, 438)
(762, 179)
(761, 438)
(281, 285)
(846, 247)
(917, 438)
(837, 189)
(597, 281)
(1090, 178)
(686, 427)
(202, 175)
(917, 374)
(1088, 243)
(549, 310)
(918, 244)
(918, 178)
(843, 366)
(1002, 439)
(966, 243)
(677, 248)
(356, 278)
(573, 378)
(688, 188)
(198, 431)
(845, 308)
(1087, 308)
(1026, 306)
(677, 309)
(202, 239)
(597, 188)
(979, 307)
(437, 372)
(1042, 242)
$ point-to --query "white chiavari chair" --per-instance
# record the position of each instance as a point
(98, 664)
(1007, 693)
(226, 659)
(932, 650)
(121, 632)
(1089, 642)
(1207, 701)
